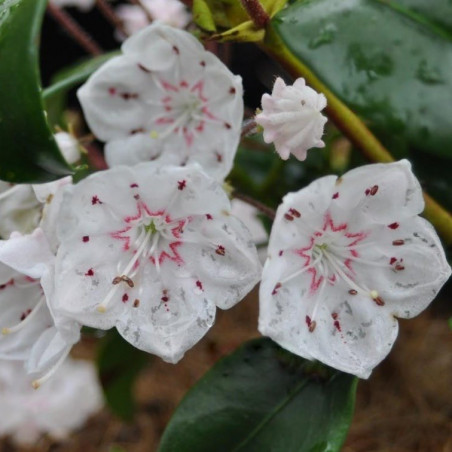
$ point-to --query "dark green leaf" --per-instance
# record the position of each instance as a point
(389, 63)
(261, 399)
(119, 364)
(28, 151)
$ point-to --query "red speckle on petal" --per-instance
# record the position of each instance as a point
(85, 238)
(295, 212)
(334, 315)
(393, 225)
(125, 298)
(208, 216)
(232, 90)
(138, 130)
(337, 325)
(281, 252)
(311, 324)
(203, 63)
(220, 250)
(227, 125)
(95, 200)
(134, 185)
(336, 195)
(128, 96)
(112, 91)
(393, 260)
(219, 157)
(183, 84)
(25, 314)
(165, 299)
(136, 196)
(367, 191)
(199, 285)
(276, 288)
(181, 184)
(10, 283)
(176, 50)
(90, 272)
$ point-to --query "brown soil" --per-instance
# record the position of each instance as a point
(406, 405)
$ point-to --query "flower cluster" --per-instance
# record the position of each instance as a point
(151, 247)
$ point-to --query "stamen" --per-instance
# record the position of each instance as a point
(26, 320)
(40, 381)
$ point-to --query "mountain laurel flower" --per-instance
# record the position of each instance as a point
(152, 250)
(30, 330)
(291, 118)
(170, 12)
(58, 408)
(167, 99)
(346, 257)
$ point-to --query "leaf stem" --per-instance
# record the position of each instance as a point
(109, 14)
(352, 126)
(267, 211)
(77, 33)
(256, 13)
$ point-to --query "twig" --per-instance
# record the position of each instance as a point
(77, 33)
(267, 211)
(249, 127)
(143, 7)
(256, 13)
(109, 14)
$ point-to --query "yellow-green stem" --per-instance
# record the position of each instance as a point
(352, 126)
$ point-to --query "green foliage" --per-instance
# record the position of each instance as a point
(263, 398)
(55, 95)
(29, 152)
(391, 66)
(119, 364)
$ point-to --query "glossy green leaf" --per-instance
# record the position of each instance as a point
(262, 398)
(28, 151)
(389, 63)
(119, 364)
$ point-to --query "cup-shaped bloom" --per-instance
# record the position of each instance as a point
(167, 99)
(152, 250)
(346, 257)
(57, 409)
(291, 118)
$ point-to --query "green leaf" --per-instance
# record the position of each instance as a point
(388, 63)
(263, 398)
(29, 152)
(119, 364)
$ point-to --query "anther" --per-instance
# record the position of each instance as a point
(398, 242)
(276, 288)
(353, 292)
(288, 217)
(136, 303)
(373, 190)
(295, 213)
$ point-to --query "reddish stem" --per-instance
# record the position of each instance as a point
(75, 31)
(256, 12)
(267, 211)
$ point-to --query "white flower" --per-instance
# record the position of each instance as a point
(153, 252)
(61, 406)
(346, 257)
(68, 146)
(82, 5)
(31, 330)
(165, 98)
(170, 12)
(291, 118)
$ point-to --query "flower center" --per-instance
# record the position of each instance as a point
(150, 239)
